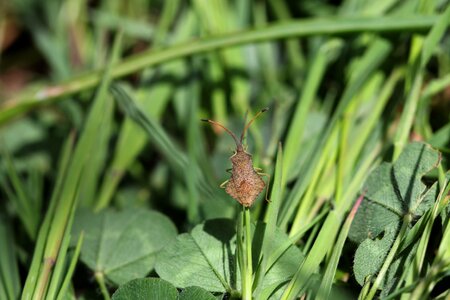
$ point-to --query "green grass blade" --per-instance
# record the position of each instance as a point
(20, 197)
(327, 281)
(33, 272)
(373, 57)
(153, 101)
(59, 269)
(370, 123)
(177, 159)
(71, 269)
(324, 56)
(271, 216)
(301, 28)
(328, 231)
(428, 47)
(66, 203)
(434, 37)
(9, 272)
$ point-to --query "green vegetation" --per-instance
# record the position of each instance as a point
(109, 181)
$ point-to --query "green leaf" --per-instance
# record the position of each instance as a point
(146, 289)
(394, 190)
(206, 258)
(370, 255)
(281, 269)
(123, 244)
(195, 293)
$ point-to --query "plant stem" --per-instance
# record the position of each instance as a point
(41, 285)
(101, 282)
(247, 288)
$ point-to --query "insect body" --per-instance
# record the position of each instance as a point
(245, 183)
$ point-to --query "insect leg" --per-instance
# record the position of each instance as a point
(229, 170)
(223, 184)
(267, 184)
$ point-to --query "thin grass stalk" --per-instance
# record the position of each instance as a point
(276, 253)
(327, 281)
(373, 118)
(58, 271)
(294, 50)
(328, 232)
(9, 271)
(193, 209)
(372, 58)
(308, 199)
(406, 120)
(418, 63)
(69, 190)
(342, 156)
(270, 219)
(425, 236)
(34, 270)
(23, 202)
(67, 280)
(441, 261)
(390, 258)
(308, 94)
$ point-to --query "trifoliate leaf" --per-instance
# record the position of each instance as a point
(123, 244)
(146, 289)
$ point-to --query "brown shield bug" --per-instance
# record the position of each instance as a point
(245, 183)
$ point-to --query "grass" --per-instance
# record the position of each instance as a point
(100, 117)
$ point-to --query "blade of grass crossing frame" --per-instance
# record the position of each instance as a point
(327, 281)
(65, 204)
(176, 158)
(30, 100)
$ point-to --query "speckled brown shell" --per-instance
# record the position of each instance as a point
(245, 184)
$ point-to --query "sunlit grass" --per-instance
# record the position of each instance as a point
(114, 122)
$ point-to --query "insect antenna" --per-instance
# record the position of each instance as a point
(251, 121)
(226, 129)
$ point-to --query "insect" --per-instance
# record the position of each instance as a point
(245, 183)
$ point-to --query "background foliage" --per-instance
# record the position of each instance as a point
(107, 175)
